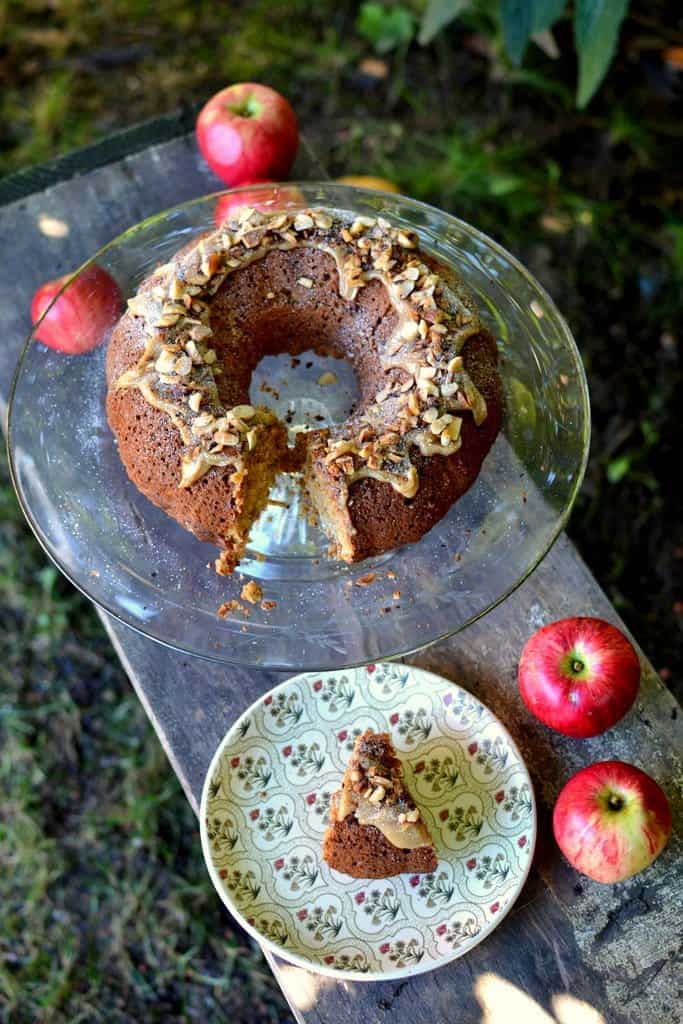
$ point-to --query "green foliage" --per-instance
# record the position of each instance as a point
(545, 13)
(596, 31)
(386, 28)
(437, 14)
(516, 18)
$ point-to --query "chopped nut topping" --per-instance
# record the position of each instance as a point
(200, 332)
(440, 424)
(410, 331)
(406, 240)
(183, 366)
(434, 320)
(377, 795)
(322, 220)
(225, 438)
(302, 222)
(251, 592)
(243, 412)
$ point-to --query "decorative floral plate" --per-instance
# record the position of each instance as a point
(265, 805)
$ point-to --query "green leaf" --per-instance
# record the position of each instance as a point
(545, 13)
(618, 468)
(596, 31)
(516, 18)
(437, 14)
(385, 28)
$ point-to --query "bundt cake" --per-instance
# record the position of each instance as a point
(375, 828)
(180, 360)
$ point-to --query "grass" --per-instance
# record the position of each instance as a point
(106, 912)
(105, 909)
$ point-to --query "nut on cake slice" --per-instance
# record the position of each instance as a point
(375, 828)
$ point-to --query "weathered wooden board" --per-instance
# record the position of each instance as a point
(571, 950)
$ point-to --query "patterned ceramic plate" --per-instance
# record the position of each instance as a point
(264, 811)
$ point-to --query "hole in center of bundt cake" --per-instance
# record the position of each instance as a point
(307, 391)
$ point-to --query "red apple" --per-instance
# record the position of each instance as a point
(80, 318)
(611, 820)
(248, 133)
(269, 199)
(579, 676)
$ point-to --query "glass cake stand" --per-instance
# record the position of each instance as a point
(144, 569)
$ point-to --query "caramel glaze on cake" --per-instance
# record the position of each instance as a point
(375, 829)
(180, 362)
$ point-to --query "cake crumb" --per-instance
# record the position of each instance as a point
(228, 607)
(251, 592)
(366, 580)
(391, 575)
(396, 595)
(268, 605)
(225, 563)
(327, 378)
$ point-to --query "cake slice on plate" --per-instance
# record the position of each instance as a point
(375, 828)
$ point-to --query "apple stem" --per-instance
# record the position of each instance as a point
(614, 802)
(577, 666)
(248, 107)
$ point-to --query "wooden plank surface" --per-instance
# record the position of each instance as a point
(570, 947)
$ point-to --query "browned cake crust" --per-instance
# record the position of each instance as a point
(373, 791)
(287, 300)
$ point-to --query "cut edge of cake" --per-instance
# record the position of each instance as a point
(376, 830)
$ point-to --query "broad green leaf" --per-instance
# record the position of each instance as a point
(596, 31)
(545, 13)
(516, 18)
(437, 14)
(385, 27)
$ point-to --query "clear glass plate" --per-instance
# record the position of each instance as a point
(144, 569)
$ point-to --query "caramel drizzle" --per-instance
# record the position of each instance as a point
(177, 369)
